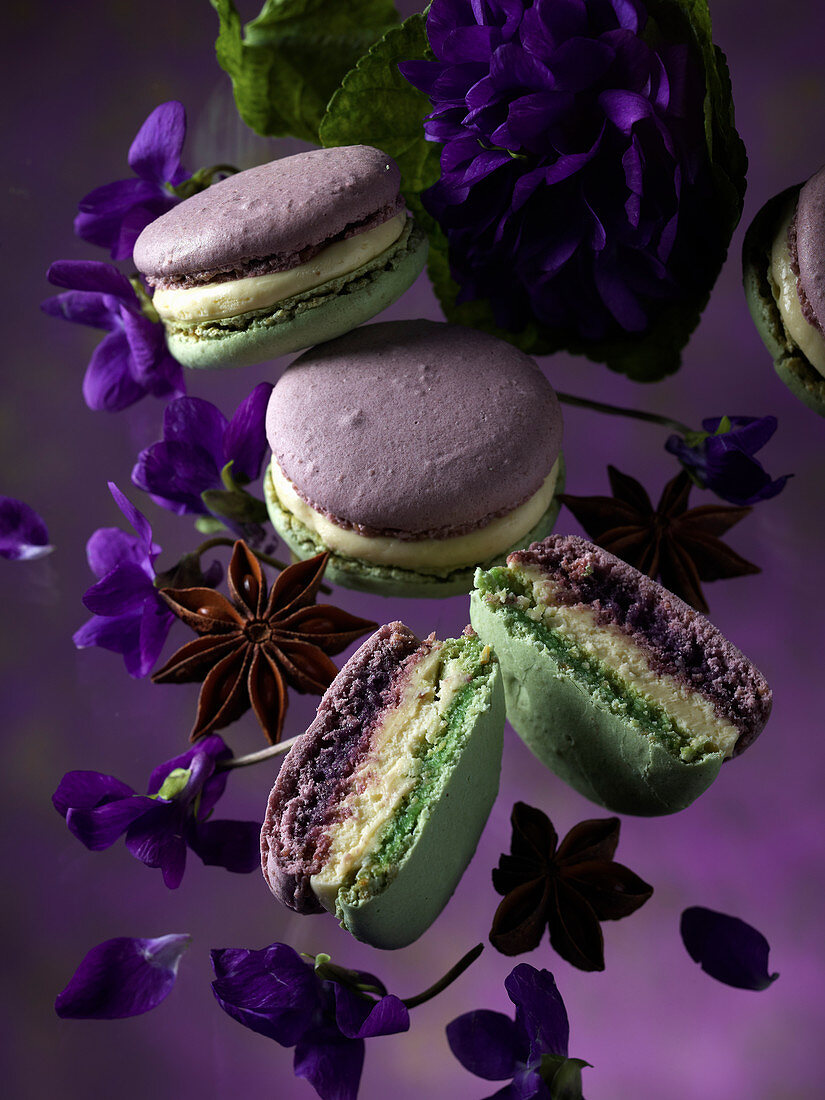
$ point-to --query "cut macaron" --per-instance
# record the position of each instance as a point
(281, 257)
(784, 276)
(378, 808)
(413, 451)
(617, 685)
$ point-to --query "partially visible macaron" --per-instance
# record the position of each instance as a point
(378, 808)
(617, 685)
(784, 276)
(281, 257)
(413, 451)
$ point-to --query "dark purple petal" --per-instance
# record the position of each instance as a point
(361, 1018)
(102, 210)
(540, 1012)
(244, 442)
(108, 383)
(84, 307)
(195, 421)
(331, 1063)
(207, 751)
(137, 519)
(155, 152)
(156, 839)
(91, 275)
(82, 790)
(122, 977)
(124, 589)
(155, 623)
(727, 948)
(235, 845)
(487, 1044)
(176, 473)
(23, 534)
(100, 827)
(120, 634)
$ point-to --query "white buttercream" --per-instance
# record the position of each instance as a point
(805, 335)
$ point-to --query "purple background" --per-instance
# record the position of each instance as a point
(82, 78)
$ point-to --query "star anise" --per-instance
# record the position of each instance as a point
(569, 888)
(677, 546)
(252, 649)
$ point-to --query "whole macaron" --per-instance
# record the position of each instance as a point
(617, 685)
(413, 451)
(280, 257)
(784, 276)
(378, 808)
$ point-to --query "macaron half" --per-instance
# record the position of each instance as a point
(281, 256)
(413, 451)
(783, 259)
(378, 808)
(618, 686)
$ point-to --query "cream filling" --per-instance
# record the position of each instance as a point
(805, 335)
(216, 300)
(694, 713)
(382, 781)
(447, 553)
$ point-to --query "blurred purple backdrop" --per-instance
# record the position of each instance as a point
(81, 78)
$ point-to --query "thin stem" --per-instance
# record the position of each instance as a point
(224, 540)
(618, 410)
(262, 754)
(448, 979)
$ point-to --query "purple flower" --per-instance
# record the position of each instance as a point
(275, 993)
(160, 825)
(721, 457)
(727, 948)
(23, 534)
(132, 360)
(114, 215)
(122, 977)
(531, 1050)
(575, 188)
(198, 441)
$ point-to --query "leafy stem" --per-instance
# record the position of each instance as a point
(448, 979)
(619, 410)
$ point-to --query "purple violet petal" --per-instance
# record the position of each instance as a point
(109, 546)
(235, 845)
(360, 1018)
(98, 828)
(23, 534)
(727, 948)
(111, 202)
(245, 442)
(84, 790)
(92, 275)
(155, 152)
(540, 1011)
(155, 623)
(156, 839)
(194, 421)
(120, 634)
(122, 977)
(124, 589)
(108, 384)
(83, 307)
(141, 525)
(176, 473)
(331, 1063)
(486, 1043)
(208, 749)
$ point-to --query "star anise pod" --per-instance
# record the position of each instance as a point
(568, 887)
(252, 649)
(677, 546)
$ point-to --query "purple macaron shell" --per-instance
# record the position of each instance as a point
(808, 244)
(315, 773)
(285, 209)
(677, 640)
(415, 429)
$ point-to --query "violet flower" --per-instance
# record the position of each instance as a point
(198, 441)
(122, 977)
(575, 187)
(173, 816)
(114, 215)
(721, 457)
(727, 948)
(132, 360)
(531, 1050)
(276, 993)
(23, 534)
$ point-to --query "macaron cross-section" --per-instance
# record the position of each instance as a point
(617, 685)
(413, 451)
(281, 256)
(378, 808)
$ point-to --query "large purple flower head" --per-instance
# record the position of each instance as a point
(530, 1050)
(576, 190)
(276, 993)
(23, 534)
(721, 457)
(173, 816)
(198, 442)
(132, 360)
(114, 215)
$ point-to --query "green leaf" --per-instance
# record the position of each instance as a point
(563, 1075)
(287, 62)
(208, 525)
(235, 505)
(375, 105)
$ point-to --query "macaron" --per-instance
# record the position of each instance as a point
(783, 260)
(412, 451)
(378, 808)
(280, 257)
(618, 686)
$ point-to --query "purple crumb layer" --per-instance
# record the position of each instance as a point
(806, 244)
(266, 265)
(677, 640)
(305, 799)
(276, 209)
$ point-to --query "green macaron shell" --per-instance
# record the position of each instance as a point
(388, 580)
(792, 366)
(606, 740)
(402, 887)
(309, 318)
